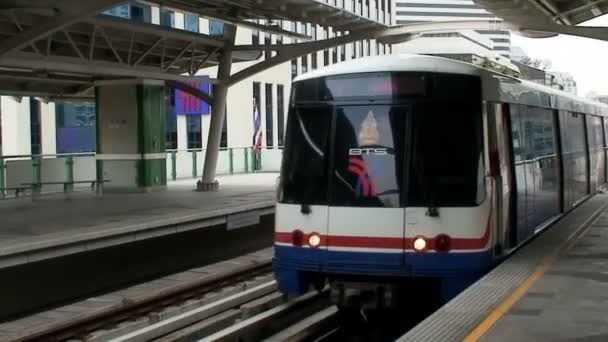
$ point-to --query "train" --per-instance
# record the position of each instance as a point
(403, 173)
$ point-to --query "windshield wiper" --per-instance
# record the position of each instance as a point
(305, 209)
(425, 184)
(305, 205)
(432, 210)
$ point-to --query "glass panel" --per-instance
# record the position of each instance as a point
(542, 165)
(267, 42)
(141, 13)
(269, 116)
(224, 137)
(35, 126)
(304, 171)
(574, 157)
(167, 18)
(443, 142)
(171, 128)
(75, 124)
(216, 29)
(255, 36)
(368, 161)
(294, 68)
(191, 23)
(374, 85)
(195, 138)
(601, 154)
(517, 144)
(304, 60)
(122, 11)
(257, 121)
(606, 131)
(596, 151)
(280, 113)
(447, 155)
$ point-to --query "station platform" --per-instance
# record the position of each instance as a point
(55, 225)
(555, 288)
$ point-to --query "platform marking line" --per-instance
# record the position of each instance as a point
(540, 270)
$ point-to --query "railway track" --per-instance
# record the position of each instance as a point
(98, 326)
(236, 301)
(262, 314)
(259, 313)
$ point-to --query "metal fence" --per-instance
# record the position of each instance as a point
(52, 172)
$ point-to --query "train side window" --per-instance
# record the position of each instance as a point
(606, 131)
(517, 135)
(539, 135)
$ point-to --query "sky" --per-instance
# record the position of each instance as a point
(586, 59)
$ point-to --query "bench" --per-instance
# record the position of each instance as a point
(17, 189)
(69, 186)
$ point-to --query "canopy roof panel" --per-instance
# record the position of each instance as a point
(62, 47)
(566, 12)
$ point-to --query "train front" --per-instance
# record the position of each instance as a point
(383, 188)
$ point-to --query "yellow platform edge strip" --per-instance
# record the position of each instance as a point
(506, 305)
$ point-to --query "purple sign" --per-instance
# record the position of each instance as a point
(186, 104)
(75, 139)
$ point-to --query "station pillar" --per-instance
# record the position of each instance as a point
(131, 153)
(218, 112)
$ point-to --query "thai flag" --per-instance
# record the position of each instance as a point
(257, 129)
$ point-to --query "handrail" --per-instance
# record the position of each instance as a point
(241, 159)
(78, 154)
(537, 159)
(223, 149)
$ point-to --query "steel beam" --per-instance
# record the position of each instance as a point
(71, 11)
(26, 60)
(190, 90)
(154, 30)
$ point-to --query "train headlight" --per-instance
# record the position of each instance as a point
(314, 240)
(419, 244)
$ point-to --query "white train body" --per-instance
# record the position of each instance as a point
(408, 169)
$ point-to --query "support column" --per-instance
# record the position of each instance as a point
(218, 111)
(131, 153)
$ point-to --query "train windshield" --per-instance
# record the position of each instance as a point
(384, 140)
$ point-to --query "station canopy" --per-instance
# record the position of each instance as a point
(563, 12)
(59, 49)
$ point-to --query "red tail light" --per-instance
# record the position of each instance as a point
(443, 243)
(297, 238)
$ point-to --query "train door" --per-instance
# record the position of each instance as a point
(575, 158)
(541, 151)
(500, 170)
(595, 143)
(605, 147)
(365, 213)
(522, 175)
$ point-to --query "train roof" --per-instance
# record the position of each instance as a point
(510, 89)
(534, 94)
(395, 62)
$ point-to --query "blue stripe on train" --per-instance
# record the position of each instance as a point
(295, 266)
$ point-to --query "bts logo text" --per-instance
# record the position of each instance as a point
(367, 151)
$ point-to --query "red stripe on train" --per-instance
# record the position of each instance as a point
(391, 243)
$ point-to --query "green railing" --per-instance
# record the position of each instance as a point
(19, 172)
(40, 170)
